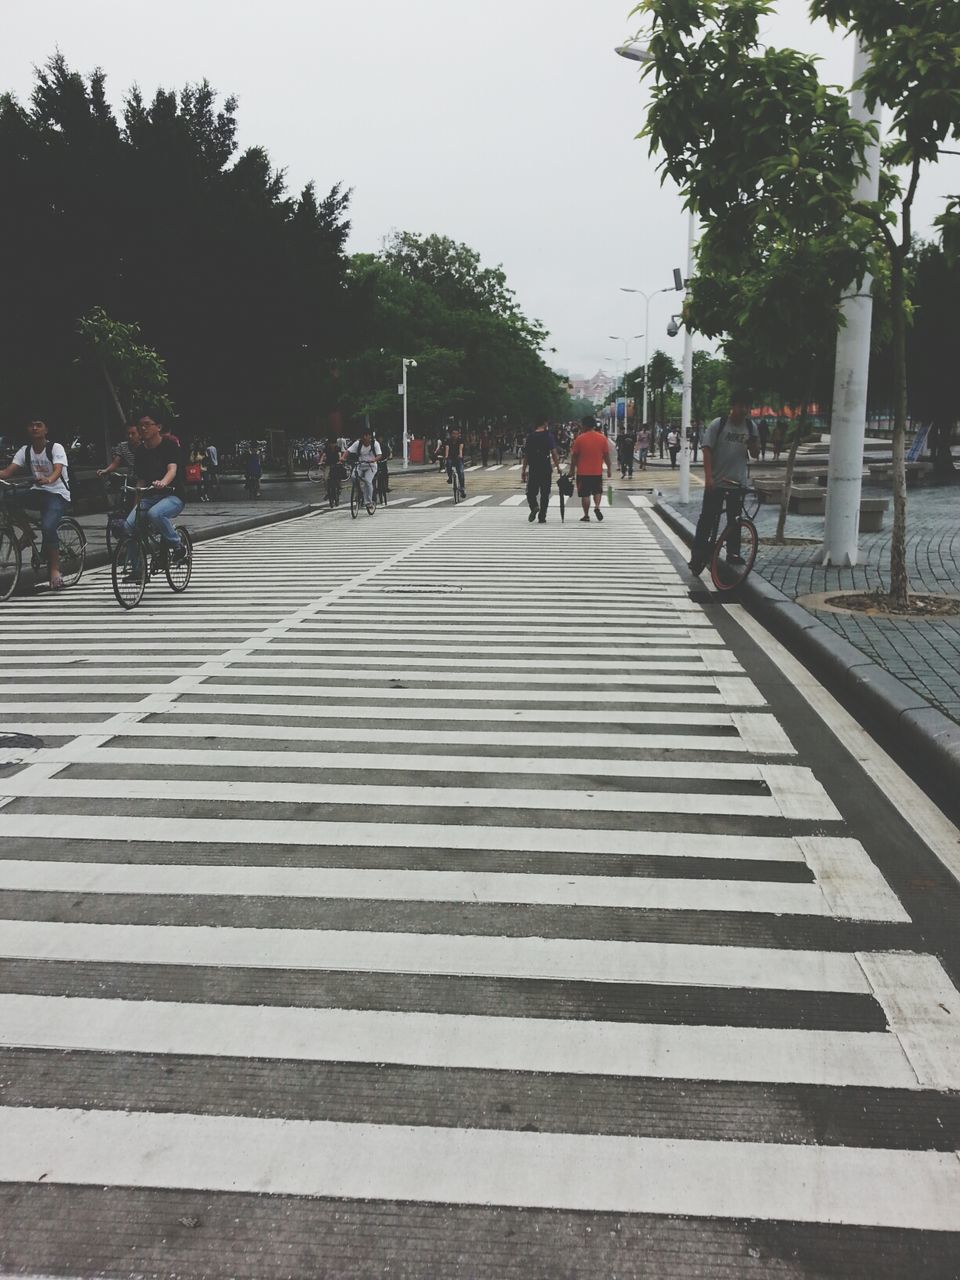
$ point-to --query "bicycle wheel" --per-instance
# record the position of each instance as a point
(128, 572)
(728, 570)
(356, 498)
(9, 564)
(456, 489)
(314, 474)
(178, 574)
(752, 499)
(73, 551)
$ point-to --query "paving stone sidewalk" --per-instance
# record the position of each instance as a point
(925, 655)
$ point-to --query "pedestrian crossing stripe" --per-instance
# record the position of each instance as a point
(772, 1181)
(532, 807)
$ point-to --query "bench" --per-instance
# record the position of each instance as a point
(808, 500)
(871, 514)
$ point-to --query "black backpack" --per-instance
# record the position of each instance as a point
(48, 450)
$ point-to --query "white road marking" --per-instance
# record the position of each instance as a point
(475, 502)
(561, 798)
(936, 831)
(371, 951)
(916, 1190)
(434, 502)
(923, 1009)
(515, 499)
(629, 1050)
(852, 884)
(256, 734)
(644, 893)
(399, 835)
(497, 466)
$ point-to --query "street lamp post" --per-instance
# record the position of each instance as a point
(407, 364)
(647, 297)
(626, 367)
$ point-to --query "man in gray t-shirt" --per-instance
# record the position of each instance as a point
(726, 443)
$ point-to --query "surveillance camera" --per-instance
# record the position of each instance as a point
(672, 329)
(413, 364)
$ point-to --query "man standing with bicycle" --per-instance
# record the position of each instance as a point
(50, 493)
(158, 467)
(365, 454)
(726, 443)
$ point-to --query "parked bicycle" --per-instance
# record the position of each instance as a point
(71, 538)
(734, 550)
(142, 554)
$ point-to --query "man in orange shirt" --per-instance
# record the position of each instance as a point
(589, 455)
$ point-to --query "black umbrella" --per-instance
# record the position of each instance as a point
(565, 487)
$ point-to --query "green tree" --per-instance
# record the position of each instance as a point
(664, 375)
(134, 376)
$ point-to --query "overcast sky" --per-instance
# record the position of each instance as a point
(507, 124)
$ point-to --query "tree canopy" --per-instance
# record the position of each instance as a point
(150, 224)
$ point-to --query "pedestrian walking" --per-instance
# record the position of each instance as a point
(643, 446)
(589, 455)
(539, 459)
(695, 439)
(763, 430)
(484, 448)
(625, 447)
(213, 466)
(673, 446)
(661, 437)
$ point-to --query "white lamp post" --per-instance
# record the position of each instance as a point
(626, 367)
(407, 364)
(647, 297)
(636, 51)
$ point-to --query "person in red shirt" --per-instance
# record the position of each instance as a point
(589, 455)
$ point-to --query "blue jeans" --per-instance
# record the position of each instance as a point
(52, 508)
(158, 512)
(455, 465)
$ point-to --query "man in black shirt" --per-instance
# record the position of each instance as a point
(157, 463)
(539, 459)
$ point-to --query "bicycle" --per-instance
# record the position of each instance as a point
(71, 538)
(734, 551)
(118, 510)
(454, 475)
(143, 554)
(356, 495)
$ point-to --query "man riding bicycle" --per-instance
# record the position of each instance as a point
(726, 443)
(158, 467)
(365, 454)
(50, 493)
(453, 459)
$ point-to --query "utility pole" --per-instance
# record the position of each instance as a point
(848, 418)
(687, 409)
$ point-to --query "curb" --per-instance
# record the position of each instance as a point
(923, 741)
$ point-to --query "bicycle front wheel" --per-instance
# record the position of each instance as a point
(73, 551)
(9, 564)
(457, 496)
(314, 474)
(734, 554)
(356, 499)
(128, 572)
(178, 573)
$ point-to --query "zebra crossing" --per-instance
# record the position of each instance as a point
(433, 876)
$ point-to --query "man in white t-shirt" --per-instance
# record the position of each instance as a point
(366, 453)
(50, 493)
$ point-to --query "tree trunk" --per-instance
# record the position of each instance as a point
(788, 478)
(115, 401)
(899, 581)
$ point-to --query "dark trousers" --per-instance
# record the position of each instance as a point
(674, 450)
(539, 484)
(710, 513)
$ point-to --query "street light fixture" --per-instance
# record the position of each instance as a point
(626, 366)
(407, 364)
(636, 51)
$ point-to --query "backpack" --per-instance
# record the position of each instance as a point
(48, 450)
